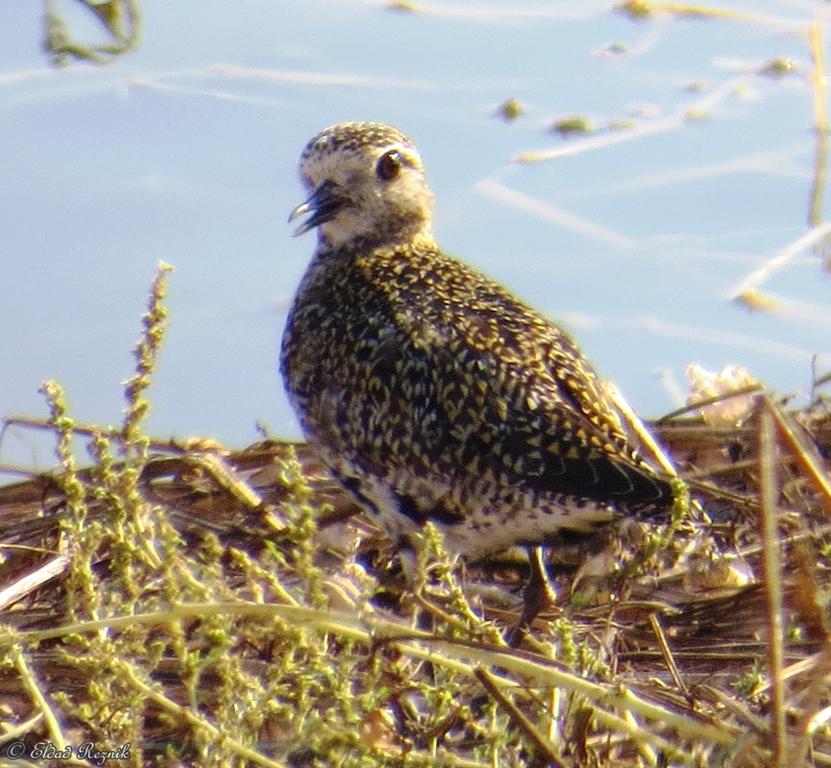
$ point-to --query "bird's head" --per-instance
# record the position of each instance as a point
(365, 182)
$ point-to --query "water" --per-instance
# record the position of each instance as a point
(185, 151)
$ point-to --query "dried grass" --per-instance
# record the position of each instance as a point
(224, 608)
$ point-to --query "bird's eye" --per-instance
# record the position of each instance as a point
(389, 165)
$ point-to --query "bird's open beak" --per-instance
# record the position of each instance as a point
(323, 204)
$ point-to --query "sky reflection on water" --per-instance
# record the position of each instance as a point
(635, 237)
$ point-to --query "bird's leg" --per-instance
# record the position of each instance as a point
(537, 595)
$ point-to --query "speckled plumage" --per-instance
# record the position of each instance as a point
(429, 390)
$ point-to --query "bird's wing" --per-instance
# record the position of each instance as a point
(523, 402)
(542, 441)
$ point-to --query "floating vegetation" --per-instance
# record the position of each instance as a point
(777, 68)
(573, 126)
(119, 19)
(404, 6)
(510, 109)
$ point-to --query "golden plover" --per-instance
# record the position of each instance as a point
(429, 390)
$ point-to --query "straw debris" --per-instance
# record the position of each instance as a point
(233, 608)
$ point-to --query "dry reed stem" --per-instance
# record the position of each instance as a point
(28, 582)
(815, 215)
(773, 585)
(655, 622)
(543, 745)
(802, 453)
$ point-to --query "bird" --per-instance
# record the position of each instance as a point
(429, 390)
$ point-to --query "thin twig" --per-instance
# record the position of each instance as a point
(667, 654)
(32, 687)
(773, 585)
(638, 428)
(518, 718)
(820, 123)
(748, 389)
(802, 453)
(196, 720)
